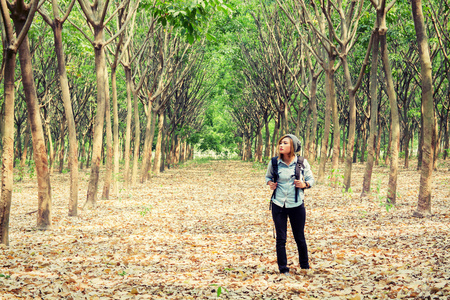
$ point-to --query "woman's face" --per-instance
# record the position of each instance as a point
(285, 146)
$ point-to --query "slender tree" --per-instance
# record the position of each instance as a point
(424, 201)
(57, 24)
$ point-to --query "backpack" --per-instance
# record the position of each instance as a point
(299, 167)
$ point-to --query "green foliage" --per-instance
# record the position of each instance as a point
(145, 210)
(219, 289)
(383, 201)
(190, 16)
(335, 177)
(31, 169)
(20, 170)
(347, 194)
(218, 133)
(5, 276)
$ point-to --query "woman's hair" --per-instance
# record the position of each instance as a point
(292, 153)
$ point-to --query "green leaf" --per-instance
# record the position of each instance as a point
(190, 39)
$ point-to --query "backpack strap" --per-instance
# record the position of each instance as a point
(274, 173)
(298, 169)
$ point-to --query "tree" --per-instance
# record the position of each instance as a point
(424, 201)
(96, 17)
(56, 24)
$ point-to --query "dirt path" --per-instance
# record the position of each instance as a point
(206, 227)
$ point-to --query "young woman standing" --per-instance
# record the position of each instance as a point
(286, 202)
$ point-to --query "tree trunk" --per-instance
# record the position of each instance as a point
(313, 104)
(407, 138)
(109, 146)
(363, 142)
(183, 151)
(83, 152)
(356, 148)
(373, 117)
(176, 158)
(18, 151)
(61, 144)
(395, 125)
(378, 146)
(100, 68)
(351, 126)
(259, 147)
(420, 144)
(128, 128)
(446, 138)
(148, 143)
(267, 141)
(44, 214)
(326, 130)
(157, 162)
(164, 144)
(26, 143)
(336, 133)
(7, 145)
(424, 201)
(137, 140)
(116, 154)
(73, 147)
(244, 142)
(50, 146)
(435, 143)
(275, 138)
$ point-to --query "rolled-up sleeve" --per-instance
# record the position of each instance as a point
(307, 173)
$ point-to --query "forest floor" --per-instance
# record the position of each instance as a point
(204, 231)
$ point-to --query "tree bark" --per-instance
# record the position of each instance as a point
(267, 141)
(326, 130)
(157, 162)
(313, 102)
(259, 148)
(26, 143)
(7, 146)
(100, 68)
(50, 145)
(115, 130)
(61, 144)
(351, 127)
(373, 117)
(109, 146)
(336, 133)
(128, 128)
(137, 140)
(424, 201)
(148, 143)
(395, 124)
(275, 137)
(44, 214)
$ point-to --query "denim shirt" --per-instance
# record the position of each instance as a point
(285, 192)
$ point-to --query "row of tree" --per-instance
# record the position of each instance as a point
(152, 53)
(333, 73)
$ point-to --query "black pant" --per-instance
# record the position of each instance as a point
(297, 216)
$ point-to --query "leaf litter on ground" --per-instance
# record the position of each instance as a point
(204, 231)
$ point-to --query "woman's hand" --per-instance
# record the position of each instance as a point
(299, 184)
(272, 185)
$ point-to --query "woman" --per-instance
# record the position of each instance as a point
(286, 202)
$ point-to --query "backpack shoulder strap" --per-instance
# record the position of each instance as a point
(275, 176)
(299, 166)
(275, 168)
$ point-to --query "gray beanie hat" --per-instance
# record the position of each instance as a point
(296, 142)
